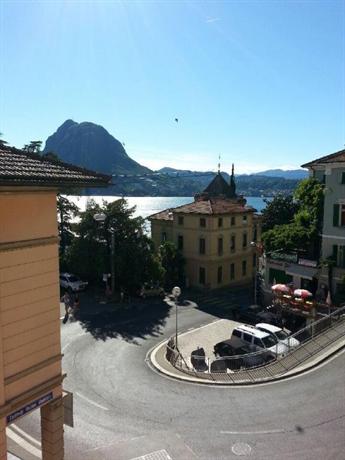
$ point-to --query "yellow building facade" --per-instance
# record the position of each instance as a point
(30, 367)
(216, 235)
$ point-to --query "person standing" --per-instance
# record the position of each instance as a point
(66, 299)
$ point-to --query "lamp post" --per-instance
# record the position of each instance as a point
(254, 245)
(176, 292)
(101, 217)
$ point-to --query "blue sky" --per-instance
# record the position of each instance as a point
(262, 83)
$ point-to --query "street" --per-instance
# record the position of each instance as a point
(123, 410)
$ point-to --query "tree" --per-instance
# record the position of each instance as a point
(33, 147)
(51, 156)
(173, 264)
(281, 210)
(3, 143)
(133, 257)
(67, 210)
(304, 231)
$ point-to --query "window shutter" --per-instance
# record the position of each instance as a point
(336, 215)
(343, 177)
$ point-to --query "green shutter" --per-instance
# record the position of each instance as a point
(343, 177)
(336, 215)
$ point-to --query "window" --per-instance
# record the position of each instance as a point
(244, 240)
(233, 243)
(180, 242)
(220, 222)
(202, 275)
(335, 253)
(236, 333)
(343, 177)
(202, 222)
(244, 268)
(232, 221)
(164, 237)
(202, 246)
(220, 274)
(220, 246)
(245, 219)
(258, 342)
(232, 271)
(342, 215)
(341, 256)
(180, 220)
(254, 260)
(255, 233)
(247, 337)
(335, 215)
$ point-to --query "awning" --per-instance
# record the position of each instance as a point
(301, 271)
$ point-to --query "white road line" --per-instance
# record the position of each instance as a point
(90, 401)
(64, 348)
(26, 435)
(198, 328)
(253, 432)
(24, 444)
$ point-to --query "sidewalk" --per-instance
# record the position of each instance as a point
(269, 373)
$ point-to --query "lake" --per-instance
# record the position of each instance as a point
(147, 205)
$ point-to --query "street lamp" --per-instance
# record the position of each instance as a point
(176, 292)
(254, 245)
(101, 217)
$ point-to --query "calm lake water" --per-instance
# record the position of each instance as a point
(147, 205)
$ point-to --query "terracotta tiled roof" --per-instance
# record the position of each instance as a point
(163, 215)
(208, 207)
(21, 168)
(337, 157)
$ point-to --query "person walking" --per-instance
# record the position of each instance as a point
(66, 299)
(76, 304)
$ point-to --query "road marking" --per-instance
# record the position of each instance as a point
(26, 435)
(90, 401)
(157, 455)
(253, 432)
(199, 327)
(241, 448)
(23, 443)
(64, 348)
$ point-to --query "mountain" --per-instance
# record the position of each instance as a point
(175, 182)
(298, 174)
(91, 146)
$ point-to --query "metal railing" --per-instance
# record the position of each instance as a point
(264, 364)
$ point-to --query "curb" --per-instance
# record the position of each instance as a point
(182, 377)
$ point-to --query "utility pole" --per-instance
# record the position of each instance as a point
(112, 262)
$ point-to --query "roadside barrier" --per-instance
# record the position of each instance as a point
(262, 365)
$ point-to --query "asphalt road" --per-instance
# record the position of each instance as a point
(124, 410)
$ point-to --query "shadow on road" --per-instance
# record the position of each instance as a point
(129, 321)
(222, 302)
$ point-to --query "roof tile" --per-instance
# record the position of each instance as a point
(21, 168)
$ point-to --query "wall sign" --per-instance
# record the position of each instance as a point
(29, 407)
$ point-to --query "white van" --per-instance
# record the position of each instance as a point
(258, 340)
(282, 335)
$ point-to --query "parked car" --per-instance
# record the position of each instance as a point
(258, 340)
(283, 336)
(151, 291)
(253, 314)
(231, 351)
(72, 282)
